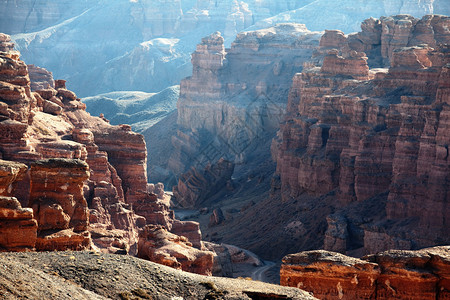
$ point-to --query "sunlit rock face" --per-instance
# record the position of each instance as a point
(421, 274)
(18, 228)
(70, 181)
(374, 136)
(56, 196)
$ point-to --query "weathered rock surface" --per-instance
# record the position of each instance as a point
(87, 184)
(231, 105)
(394, 274)
(56, 196)
(89, 275)
(196, 186)
(18, 228)
(375, 137)
(159, 245)
(40, 78)
(10, 172)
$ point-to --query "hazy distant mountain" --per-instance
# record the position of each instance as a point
(139, 109)
(101, 46)
(347, 15)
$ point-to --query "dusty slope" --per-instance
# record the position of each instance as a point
(139, 109)
(88, 275)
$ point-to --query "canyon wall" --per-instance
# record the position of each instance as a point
(70, 181)
(376, 138)
(234, 100)
(394, 274)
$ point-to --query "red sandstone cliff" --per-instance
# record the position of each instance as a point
(84, 179)
(376, 138)
(393, 274)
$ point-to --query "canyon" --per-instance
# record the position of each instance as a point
(372, 136)
(70, 181)
(242, 103)
(361, 162)
(142, 45)
(297, 139)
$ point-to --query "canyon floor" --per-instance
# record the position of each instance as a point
(90, 275)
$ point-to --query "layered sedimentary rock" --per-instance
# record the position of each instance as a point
(374, 137)
(231, 105)
(18, 228)
(159, 245)
(40, 78)
(196, 186)
(56, 196)
(393, 274)
(87, 181)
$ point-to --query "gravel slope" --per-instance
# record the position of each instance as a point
(89, 275)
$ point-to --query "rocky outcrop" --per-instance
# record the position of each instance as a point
(393, 274)
(10, 173)
(40, 78)
(330, 275)
(56, 196)
(18, 228)
(87, 185)
(159, 245)
(374, 137)
(195, 187)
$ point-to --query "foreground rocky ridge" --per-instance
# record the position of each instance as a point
(89, 275)
(393, 274)
(374, 137)
(70, 181)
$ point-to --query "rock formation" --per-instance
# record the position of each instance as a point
(73, 181)
(159, 245)
(375, 137)
(393, 274)
(18, 228)
(59, 206)
(40, 78)
(231, 105)
(194, 187)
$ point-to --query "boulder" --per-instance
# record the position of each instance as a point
(159, 245)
